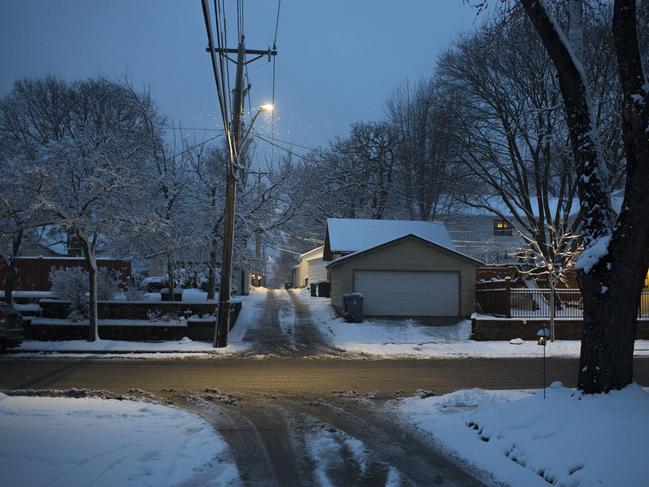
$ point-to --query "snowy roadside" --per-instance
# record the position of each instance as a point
(64, 441)
(407, 338)
(521, 439)
(248, 316)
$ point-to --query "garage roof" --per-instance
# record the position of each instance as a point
(346, 235)
(382, 244)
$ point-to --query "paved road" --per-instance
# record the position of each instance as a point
(292, 419)
(272, 412)
(286, 376)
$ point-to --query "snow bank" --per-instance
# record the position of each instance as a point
(521, 439)
(63, 442)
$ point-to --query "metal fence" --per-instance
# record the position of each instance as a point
(535, 303)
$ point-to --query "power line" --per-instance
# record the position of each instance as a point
(217, 78)
(191, 148)
(272, 115)
(279, 6)
(197, 129)
(348, 176)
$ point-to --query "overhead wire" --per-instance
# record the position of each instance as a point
(359, 181)
(218, 79)
(222, 40)
(188, 149)
(272, 115)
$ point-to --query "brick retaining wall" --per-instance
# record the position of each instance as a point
(505, 329)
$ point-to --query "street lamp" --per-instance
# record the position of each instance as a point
(267, 107)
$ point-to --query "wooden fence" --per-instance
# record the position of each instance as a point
(499, 298)
(33, 273)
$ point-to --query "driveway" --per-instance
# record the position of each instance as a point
(286, 329)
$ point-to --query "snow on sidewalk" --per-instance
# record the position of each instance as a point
(406, 338)
(519, 438)
(105, 442)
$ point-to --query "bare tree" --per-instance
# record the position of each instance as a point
(426, 149)
(93, 170)
(616, 257)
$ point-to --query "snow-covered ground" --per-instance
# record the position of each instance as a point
(247, 318)
(408, 338)
(89, 441)
(568, 439)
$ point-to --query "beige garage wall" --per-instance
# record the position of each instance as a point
(409, 254)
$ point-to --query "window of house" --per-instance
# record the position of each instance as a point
(502, 227)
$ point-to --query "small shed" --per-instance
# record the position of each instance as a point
(408, 276)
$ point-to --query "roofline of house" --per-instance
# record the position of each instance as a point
(301, 256)
(395, 240)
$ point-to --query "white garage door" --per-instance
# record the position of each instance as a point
(403, 293)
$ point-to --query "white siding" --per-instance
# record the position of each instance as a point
(317, 271)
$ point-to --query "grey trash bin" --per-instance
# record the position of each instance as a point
(314, 290)
(353, 307)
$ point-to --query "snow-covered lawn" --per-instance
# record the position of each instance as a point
(408, 338)
(89, 441)
(569, 439)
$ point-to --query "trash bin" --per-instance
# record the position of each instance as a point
(314, 289)
(324, 289)
(353, 307)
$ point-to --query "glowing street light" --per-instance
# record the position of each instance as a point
(267, 107)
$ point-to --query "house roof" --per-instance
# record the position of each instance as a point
(312, 254)
(346, 235)
(353, 255)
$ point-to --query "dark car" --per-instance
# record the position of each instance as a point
(11, 326)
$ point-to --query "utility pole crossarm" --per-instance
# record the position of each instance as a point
(258, 53)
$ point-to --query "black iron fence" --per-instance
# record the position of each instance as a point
(500, 299)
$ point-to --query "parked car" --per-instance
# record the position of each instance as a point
(11, 327)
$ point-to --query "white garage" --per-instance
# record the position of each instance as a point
(409, 293)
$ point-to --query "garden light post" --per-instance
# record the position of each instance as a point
(543, 335)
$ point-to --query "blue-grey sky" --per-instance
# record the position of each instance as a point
(338, 60)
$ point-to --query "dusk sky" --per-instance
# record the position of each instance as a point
(338, 60)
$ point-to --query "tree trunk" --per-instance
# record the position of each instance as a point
(211, 283)
(10, 264)
(91, 260)
(171, 277)
(612, 287)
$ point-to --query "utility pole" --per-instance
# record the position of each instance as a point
(223, 324)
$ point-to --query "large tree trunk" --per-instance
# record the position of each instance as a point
(211, 282)
(611, 288)
(91, 260)
(10, 264)
(171, 277)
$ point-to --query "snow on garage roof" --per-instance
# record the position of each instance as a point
(383, 244)
(351, 235)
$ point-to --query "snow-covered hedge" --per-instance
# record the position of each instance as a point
(72, 284)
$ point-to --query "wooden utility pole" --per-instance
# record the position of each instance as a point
(223, 324)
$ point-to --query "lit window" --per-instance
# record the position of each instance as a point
(502, 227)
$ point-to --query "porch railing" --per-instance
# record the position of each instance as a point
(500, 299)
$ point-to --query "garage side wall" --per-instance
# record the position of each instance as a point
(405, 255)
